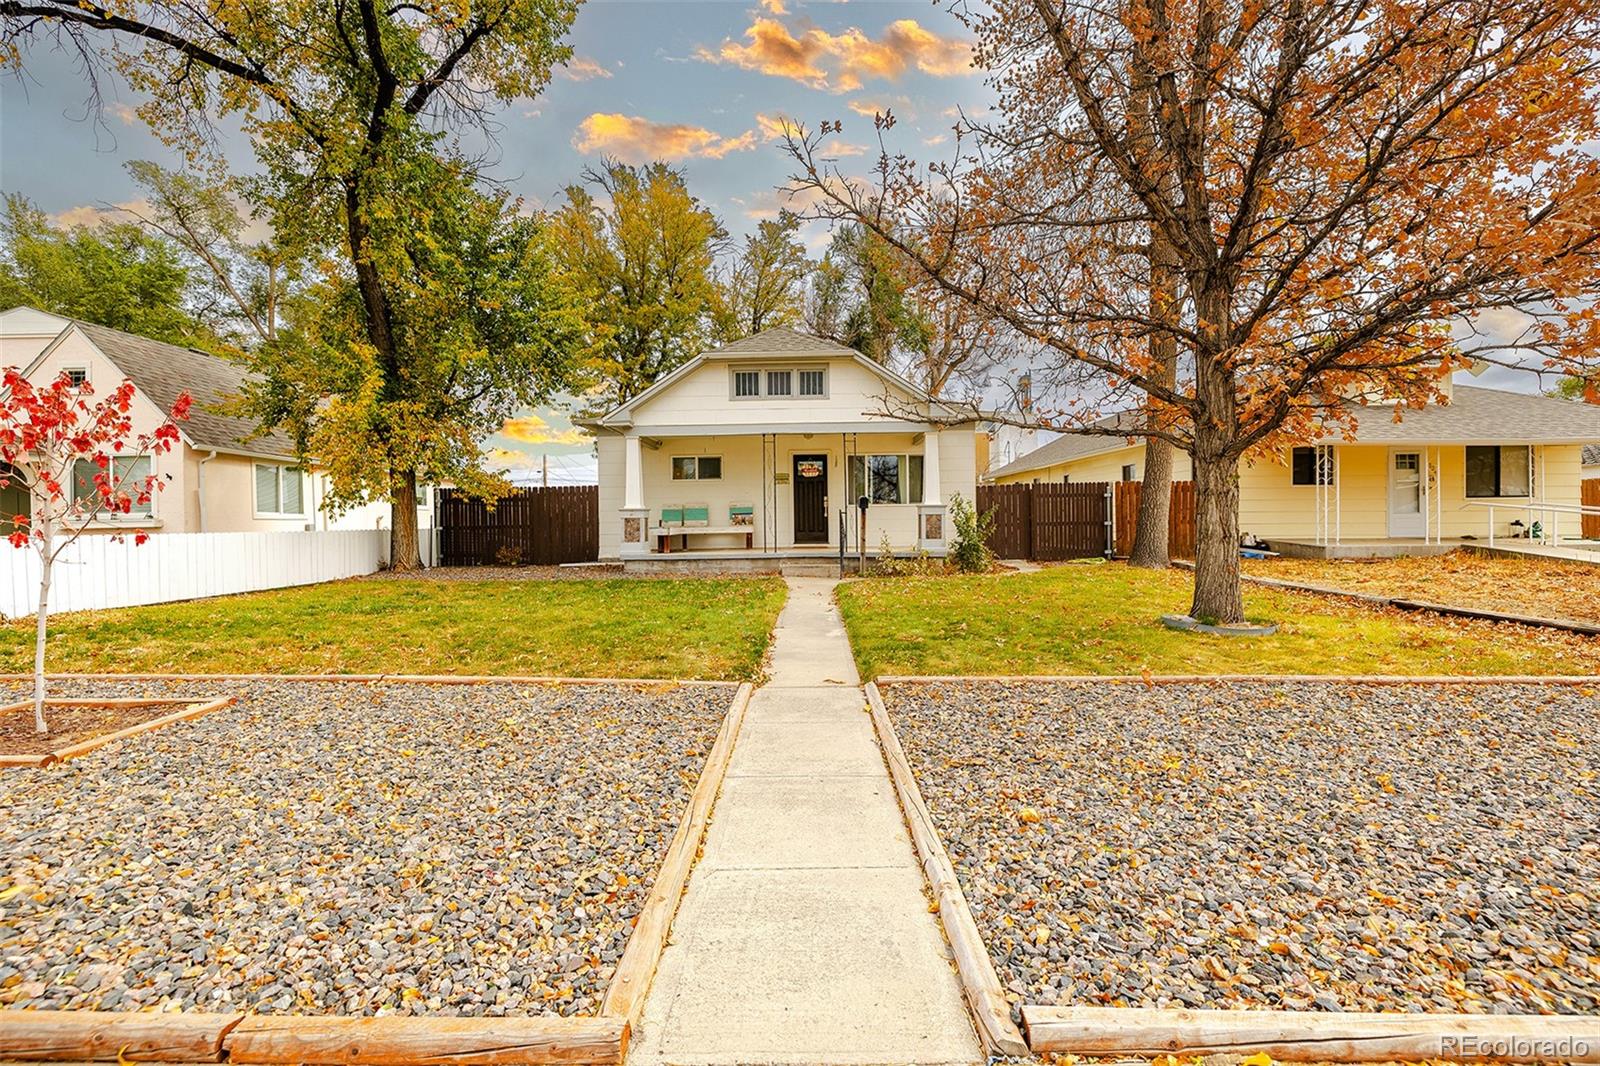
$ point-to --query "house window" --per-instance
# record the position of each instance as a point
(76, 376)
(280, 491)
(1127, 471)
(1499, 470)
(1311, 469)
(886, 478)
(127, 474)
(697, 468)
(811, 383)
(747, 383)
(780, 382)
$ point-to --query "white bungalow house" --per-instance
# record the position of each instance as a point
(760, 450)
(226, 477)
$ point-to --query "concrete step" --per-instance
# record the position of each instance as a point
(809, 568)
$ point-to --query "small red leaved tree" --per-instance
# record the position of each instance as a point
(45, 433)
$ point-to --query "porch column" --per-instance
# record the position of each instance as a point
(635, 517)
(930, 513)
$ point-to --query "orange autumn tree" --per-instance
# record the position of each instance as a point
(1343, 190)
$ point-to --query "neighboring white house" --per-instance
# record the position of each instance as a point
(227, 476)
(756, 448)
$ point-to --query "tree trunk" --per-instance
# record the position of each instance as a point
(47, 562)
(1150, 547)
(1218, 599)
(404, 552)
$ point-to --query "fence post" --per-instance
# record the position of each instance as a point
(1111, 515)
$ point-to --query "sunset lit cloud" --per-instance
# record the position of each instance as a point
(531, 429)
(634, 139)
(844, 61)
(582, 68)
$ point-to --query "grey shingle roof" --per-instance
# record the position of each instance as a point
(1072, 446)
(162, 371)
(1485, 416)
(781, 340)
(1591, 455)
(1474, 416)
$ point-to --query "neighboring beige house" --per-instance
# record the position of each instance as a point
(226, 476)
(1488, 461)
(754, 449)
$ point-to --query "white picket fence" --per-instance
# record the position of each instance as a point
(96, 572)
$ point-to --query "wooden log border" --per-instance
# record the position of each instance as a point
(1400, 603)
(630, 982)
(1313, 1036)
(194, 709)
(980, 985)
(387, 679)
(110, 1036)
(1202, 679)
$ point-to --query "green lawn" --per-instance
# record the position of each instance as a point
(691, 628)
(1105, 620)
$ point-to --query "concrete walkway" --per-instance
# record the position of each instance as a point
(805, 935)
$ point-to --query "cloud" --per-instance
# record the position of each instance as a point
(776, 127)
(124, 113)
(531, 429)
(937, 138)
(582, 68)
(842, 62)
(775, 7)
(638, 140)
(93, 214)
(836, 149)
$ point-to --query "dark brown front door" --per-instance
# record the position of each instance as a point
(810, 482)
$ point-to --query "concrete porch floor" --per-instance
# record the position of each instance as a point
(1396, 547)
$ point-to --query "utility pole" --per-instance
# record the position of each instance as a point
(546, 469)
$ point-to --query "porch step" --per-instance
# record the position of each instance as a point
(809, 568)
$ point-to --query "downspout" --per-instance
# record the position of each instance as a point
(200, 487)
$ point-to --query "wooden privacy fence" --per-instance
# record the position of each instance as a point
(538, 526)
(1591, 498)
(1048, 521)
(1180, 518)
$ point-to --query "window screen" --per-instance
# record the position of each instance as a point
(779, 382)
(747, 383)
(811, 383)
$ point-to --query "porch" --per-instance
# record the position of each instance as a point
(1366, 501)
(752, 500)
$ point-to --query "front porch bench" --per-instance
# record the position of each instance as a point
(691, 521)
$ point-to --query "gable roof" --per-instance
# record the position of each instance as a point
(780, 342)
(162, 371)
(1475, 415)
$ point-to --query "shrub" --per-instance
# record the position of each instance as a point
(969, 551)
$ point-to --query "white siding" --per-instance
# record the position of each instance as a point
(703, 398)
(97, 573)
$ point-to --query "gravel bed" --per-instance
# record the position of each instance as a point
(327, 848)
(1307, 846)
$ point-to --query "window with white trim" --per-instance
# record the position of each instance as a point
(127, 474)
(280, 491)
(1311, 466)
(697, 468)
(76, 376)
(886, 478)
(778, 384)
(1499, 470)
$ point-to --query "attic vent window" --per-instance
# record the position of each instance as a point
(750, 384)
(747, 383)
(76, 376)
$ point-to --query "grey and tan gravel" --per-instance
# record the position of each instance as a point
(348, 849)
(1329, 846)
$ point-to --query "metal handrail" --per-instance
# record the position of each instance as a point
(1553, 535)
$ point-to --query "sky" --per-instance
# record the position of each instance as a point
(704, 85)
